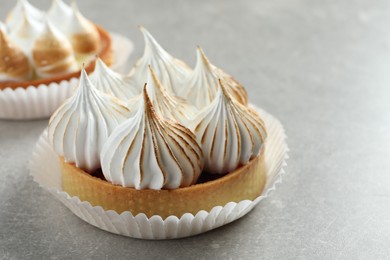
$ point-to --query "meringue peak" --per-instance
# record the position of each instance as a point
(160, 88)
(59, 6)
(111, 82)
(202, 61)
(168, 105)
(202, 84)
(14, 64)
(77, 22)
(225, 92)
(85, 82)
(22, 6)
(60, 13)
(148, 152)
(81, 126)
(152, 46)
(230, 133)
(170, 71)
(3, 35)
(2, 27)
(52, 53)
(27, 30)
(148, 105)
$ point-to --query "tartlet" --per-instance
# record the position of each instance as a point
(157, 150)
(42, 55)
(51, 46)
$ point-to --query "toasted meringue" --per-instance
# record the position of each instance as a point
(202, 85)
(52, 53)
(166, 104)
(170, 71)
(230, 133)
(21, 8)
(26, 32)
(83, 35)
(80, 127)
(111, 82)
(3, 28)
(14, 64)
(60, 14)
(148, 152)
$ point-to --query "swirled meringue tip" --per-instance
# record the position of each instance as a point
(111, 82)
(14, 16)
(52, 53)
(230, 133)
(83, 34)
(60, 13)
(80, 127)
(26, 31)
(202, 61)
(148, 152)
(202, 83)
(3, 28)
(206, 74)
(151, 43)
(14, 64)
(170, 71)
(166, 104)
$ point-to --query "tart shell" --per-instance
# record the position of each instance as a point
(105, 54)
(245, 183)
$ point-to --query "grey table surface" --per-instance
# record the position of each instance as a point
(321, 67)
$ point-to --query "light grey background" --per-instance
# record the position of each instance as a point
(322, 67)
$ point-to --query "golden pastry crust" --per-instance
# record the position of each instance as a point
(105, 54)
(13, 62)
(245, 183)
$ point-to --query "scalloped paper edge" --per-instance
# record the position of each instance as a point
(41, 101)
(45, 170)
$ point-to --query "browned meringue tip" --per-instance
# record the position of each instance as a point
(225, 92)
(148, 106)
(202, 56)
(3, 37)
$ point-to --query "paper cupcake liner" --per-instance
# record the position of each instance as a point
(41, 101)
(45, 170)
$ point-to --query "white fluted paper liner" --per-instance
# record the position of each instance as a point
(41, 101)
(45, 169)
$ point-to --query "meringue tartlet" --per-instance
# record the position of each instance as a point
(43, 47)
(163, 140)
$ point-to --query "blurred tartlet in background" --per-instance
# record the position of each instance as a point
(46, 50)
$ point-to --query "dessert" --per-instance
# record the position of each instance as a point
(79, 128)
(170, 71)
(111, 82)
(57, 43)
(156, 154)
(14, 64)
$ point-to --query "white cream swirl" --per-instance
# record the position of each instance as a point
(60, 14)
(167, 104)
(16, 14)
(52, 53)
(170, 71)
(14, 64)
(148, 152)
(230, 133)
(26, 32)
(202, 85)
(83, 35)
(80, 127)
(111, 82)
